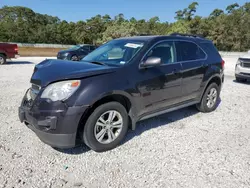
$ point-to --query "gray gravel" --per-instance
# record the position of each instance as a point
(180, 149)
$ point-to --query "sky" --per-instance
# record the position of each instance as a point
(75, 10)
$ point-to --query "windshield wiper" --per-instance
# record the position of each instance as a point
(95, 62)
(98, 63)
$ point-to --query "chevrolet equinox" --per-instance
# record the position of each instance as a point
(96, 100)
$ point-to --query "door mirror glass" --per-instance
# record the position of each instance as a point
(151, 62)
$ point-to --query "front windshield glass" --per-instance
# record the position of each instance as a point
(75, 47)
(115, 52)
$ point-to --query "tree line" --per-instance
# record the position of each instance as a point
(229, 29)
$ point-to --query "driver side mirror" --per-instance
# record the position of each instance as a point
(151, 62)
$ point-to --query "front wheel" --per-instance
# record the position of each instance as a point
(210, 99)
(74, 58)
(2, 59)
(106, 127)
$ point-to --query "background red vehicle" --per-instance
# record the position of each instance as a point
(7, 51)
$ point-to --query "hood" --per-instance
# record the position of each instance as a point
(55, 70)
(246, 56)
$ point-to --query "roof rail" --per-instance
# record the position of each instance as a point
(144, 34)
(186, 35)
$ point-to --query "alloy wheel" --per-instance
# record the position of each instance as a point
(74, 58)
(1, 60)
(212, 97)
(108, 127)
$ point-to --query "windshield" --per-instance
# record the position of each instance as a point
(74, 47)
(115, 52)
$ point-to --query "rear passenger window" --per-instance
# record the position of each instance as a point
(85, 48)
(188, 51)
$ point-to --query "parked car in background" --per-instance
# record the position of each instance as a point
(7, 51)
(242, 68)
(97, 99)
(76, 53)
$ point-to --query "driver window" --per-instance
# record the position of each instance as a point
(165, 51)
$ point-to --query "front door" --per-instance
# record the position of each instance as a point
(160, 86)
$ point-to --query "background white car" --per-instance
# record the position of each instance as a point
(242, 68)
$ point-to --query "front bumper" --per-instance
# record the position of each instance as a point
(242, 72)
(17, 56)
(53, 122)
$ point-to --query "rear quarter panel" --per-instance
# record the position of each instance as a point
(8, 49)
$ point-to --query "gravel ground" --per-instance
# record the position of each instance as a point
(179, 149)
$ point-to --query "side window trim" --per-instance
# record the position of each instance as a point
(159, 42)
(197, 46)
(174, 41)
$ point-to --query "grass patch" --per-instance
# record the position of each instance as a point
(40, 52)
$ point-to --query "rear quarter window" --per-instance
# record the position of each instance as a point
(210, 49)
(188, 51)
(92, 48)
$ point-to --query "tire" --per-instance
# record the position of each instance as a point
(74, 58)
(206, 107)
(2, 59)
(92, 128)
(240, 79)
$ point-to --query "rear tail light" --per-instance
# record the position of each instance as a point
(16, 49)
(223, 64)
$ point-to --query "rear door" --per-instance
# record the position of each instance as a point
(193, 61)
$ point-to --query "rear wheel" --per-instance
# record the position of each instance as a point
(2, 59)
(106, 127)
(210, 99)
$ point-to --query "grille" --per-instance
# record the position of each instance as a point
(247, 65)
(245, 62)
(247, 74)
(28, 103)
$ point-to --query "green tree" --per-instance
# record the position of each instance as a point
(125, 29)
(229, 29)
(216, 13)
(232, 7)
(181, 26)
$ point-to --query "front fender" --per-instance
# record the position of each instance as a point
(96, 88)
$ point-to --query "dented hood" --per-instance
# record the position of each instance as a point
(51, 70)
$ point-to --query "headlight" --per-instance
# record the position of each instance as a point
(61, 90)
(238, 62)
